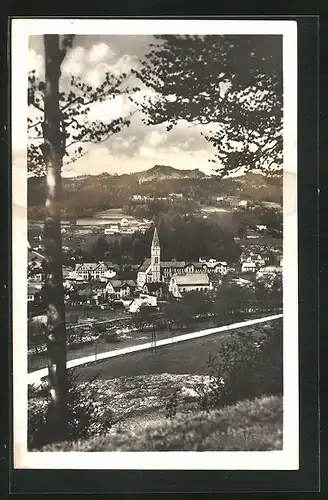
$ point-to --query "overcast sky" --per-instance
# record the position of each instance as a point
(137, 147)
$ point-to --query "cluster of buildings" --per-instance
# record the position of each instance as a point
(127, 226)
(144, 198)
(97, 282)
(180, 276)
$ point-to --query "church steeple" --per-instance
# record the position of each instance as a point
(155, 242)
(156, 258)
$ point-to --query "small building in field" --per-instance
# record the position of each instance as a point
(180, 284)
(142, 300)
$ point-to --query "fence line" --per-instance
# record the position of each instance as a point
(36, 376)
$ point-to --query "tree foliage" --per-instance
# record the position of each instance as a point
(248, 365)
(76, 98)
(230, 85)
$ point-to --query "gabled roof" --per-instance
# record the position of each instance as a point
(145, 265)
(192, 279)
(153, 287)
(115, 283)
(89, 266)
(197, 265)
(215, 263)
(33, 255)
(131, 283)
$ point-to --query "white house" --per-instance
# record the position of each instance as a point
(92, 270)
(214, 266)
(247, 267)
(112, 229)
(121, 289)
(142, 300)
(189, 283)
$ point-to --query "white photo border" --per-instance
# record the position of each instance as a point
(288, 457)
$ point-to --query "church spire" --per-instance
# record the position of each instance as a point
(155, 242)
(155, 258)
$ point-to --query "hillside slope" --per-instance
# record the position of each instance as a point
(162, 412)
(247, 426)
(161, 172)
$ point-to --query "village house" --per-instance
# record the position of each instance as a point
(33, 293)
(252, 257)
(93, 270)
(177, 196)
(268, 274)
(120, 288)
(189, 283)
(90, 292)
(35, 274)
(214, 266)
(158, 289)
(142, 300)
(247, 267)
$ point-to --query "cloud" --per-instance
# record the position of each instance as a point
(74, 62)
(36, 62)
(156, 138)
(99, 52)
(110, 109)
(140, 146)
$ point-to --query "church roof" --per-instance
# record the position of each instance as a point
(145, 265)
(173, 263)
(155, 242)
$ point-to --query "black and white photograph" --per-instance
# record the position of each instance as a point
(155, 244)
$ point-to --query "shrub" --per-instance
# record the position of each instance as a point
(248, 366)
(171, 406)
(111, 337)
(87, 417)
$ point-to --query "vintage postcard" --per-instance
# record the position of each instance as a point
(155, 264)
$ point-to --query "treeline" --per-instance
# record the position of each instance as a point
(227, 304)
(181, 238)
(244, 219)
(154, 208)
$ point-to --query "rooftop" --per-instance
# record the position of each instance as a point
(192, 279)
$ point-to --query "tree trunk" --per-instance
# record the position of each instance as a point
(53, 288)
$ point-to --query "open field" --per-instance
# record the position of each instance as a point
(190, 356)
(38, 361)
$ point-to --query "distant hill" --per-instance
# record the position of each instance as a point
(162, 172)
(89, 194)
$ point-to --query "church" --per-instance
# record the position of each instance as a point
(153, 270)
